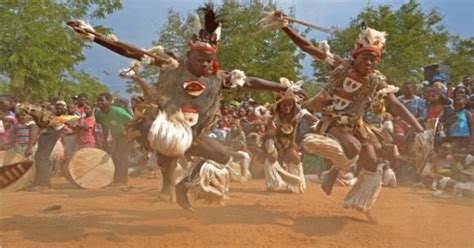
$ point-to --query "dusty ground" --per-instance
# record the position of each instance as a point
(251, 218)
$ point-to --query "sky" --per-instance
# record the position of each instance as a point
(138, 23)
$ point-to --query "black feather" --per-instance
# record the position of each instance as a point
(211, 19)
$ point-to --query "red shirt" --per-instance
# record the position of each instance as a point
(86, 136)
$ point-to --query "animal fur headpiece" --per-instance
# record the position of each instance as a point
(369, 40)
(207, 38)
(289, 94)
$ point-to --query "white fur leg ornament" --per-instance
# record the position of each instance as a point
(278, 178)
(239, 170)
(297, 175)
(210, 184)
(273, 179)
(365, 191)
(389, 178)
(245, 165)
(328, 148)
(170, 135)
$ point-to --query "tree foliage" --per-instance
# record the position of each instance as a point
(244, 44)
(415, 39)
(38, 52)
(460, 59)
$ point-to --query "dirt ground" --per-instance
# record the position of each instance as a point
(252, 217)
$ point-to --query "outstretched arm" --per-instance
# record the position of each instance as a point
(398, 109)
(262, 84)
(122, 48)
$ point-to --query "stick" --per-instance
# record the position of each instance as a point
(74, 24)
(327, 30)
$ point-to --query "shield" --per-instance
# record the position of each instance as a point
(190, 115)
(341, 101)
(16, 172)
(352, 84)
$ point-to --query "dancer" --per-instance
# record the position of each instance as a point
(187, 95)
(282, 167)
(342, 135)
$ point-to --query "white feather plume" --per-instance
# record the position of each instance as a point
(237, 78)
(128, 73)
(291, 86)
(81, 31)
(218, 32)
(156, 50)
(197, 25)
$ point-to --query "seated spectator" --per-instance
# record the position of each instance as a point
(415, 104)
(374, 116)
(220, 131)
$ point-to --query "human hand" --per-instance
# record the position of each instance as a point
(275, 20)
(28, 152)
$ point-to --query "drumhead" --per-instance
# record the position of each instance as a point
(90, 168)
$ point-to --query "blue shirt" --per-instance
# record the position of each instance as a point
(416, 106)
(460, 128)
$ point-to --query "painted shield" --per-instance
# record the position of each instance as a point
(352, 84)
(190, 115)
(341, 101)
(194, 88)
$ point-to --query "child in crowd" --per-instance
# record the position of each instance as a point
(27, 133)
(85, 129)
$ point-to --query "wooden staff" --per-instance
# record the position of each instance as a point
(327, 30)
(75, 24)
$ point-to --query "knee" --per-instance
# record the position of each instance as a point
(352, 149)
(224, 158)
(292, 156)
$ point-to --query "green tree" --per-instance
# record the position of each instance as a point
(460, 59)
(38, 51)
(244, 44)
(415, 39)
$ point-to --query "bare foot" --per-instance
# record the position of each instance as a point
(168, 194)
(328, 180)
(182, 196)
(370, 216)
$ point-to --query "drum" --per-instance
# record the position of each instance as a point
(90, 168)
(16, 172)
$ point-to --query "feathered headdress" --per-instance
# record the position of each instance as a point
(369, 40)
(289, 94)
(207, 38)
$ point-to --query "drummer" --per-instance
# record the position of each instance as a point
(52, 131)
(114, 118)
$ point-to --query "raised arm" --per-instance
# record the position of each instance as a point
(304, 44)
(146, 88)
